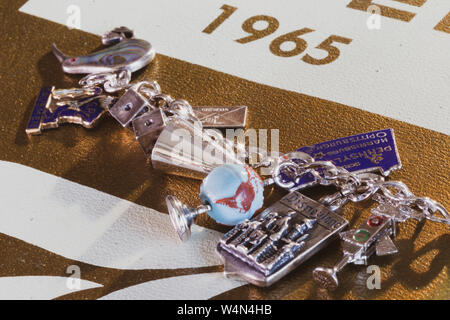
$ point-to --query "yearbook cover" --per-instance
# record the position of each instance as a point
(83, 212)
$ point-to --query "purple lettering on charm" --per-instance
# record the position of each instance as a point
(366, 152)
(47, 113)
(38, 110)
(86, 114)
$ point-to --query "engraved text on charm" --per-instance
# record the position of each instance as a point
(366, 152)
(222, 117)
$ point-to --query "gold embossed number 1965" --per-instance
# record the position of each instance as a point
(276, 44)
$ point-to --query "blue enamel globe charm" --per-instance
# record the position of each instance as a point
(230, 194)
(234, 193)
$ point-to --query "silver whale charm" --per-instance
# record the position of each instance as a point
(125, 53)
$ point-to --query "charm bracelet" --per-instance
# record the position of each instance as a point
(262, 247)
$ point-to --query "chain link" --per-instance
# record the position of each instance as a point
(152, 92)
(111, 81)
(291, 168)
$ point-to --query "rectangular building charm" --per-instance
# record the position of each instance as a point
(269, 246)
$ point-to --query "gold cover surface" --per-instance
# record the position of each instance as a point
(109, 159)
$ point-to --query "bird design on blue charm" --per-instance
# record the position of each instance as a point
(126, 53)
(234, 192)
(230, 194)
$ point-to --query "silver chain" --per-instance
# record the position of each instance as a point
(151, 90)
(111, 81)
(174, 107)
(355, 187)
